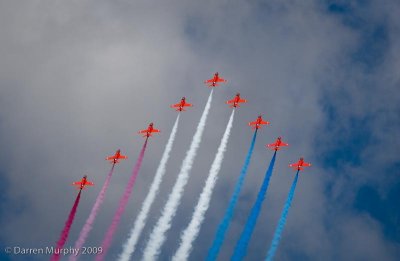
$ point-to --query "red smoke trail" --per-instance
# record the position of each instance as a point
(67, 227)
(122, 204)
(89, 222)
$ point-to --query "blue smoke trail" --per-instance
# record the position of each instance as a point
(282, 221)
(241, 246)
(223, 227)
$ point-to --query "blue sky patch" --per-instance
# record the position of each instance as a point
(369, 201)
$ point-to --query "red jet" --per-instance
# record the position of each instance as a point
(147, 133)
(180, 106)
(257, 124)
(214, 81)
(278, 143)
(83, 183)
(236, 101)
(300, 164)
(117, 156)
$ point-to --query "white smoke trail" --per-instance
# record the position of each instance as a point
(130, 244)
(192, 230)
(157, 236)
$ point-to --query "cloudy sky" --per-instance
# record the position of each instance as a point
(78, 79)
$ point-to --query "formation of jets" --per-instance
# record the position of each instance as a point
(234, 103)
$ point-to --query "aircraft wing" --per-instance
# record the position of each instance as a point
(221, 80)
(88, 183)
(155, 130)
(294, 165)
(188, 105)
(176, 105)
(77, 184)
(242, 101)
(209, 81)
(281, 145)
(143, 131)
(252, 123)
(230, 101)
(306, 164)
(264, 122)
(123, 157)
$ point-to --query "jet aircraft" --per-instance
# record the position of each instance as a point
(235, 102)
(148, 132)
(277, 145)
(82, 183)
(213, 82)
(257, 124)
(300, 164)
(116, 157)
(181, 105)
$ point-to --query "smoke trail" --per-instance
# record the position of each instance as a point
(241, 246)
(282, 221)
(223, 227)
(122, 204)
(93, 213)
(67, 227)
(192, 230)
(140, 221)
(157, 236)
